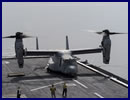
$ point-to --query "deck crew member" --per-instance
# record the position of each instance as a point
(18, 92)
(64, 94)
(53, 89)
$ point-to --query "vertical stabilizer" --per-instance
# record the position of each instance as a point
(67, 43)
(37, 46)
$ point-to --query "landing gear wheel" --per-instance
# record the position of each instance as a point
(48, 70)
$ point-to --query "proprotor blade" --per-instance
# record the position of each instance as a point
(99, 32)
(18, 35)
(107, 32)
(114, 33)
(111, 33)
(93, 31)
(11, 36)
(26, 36)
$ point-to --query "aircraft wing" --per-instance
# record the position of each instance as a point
(25, 57)
(86, 51)
(40, 52)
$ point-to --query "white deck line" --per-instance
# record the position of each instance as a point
(98, 95)
(80, 84)
(46, 86)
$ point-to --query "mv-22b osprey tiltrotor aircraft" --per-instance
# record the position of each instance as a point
(63, 61)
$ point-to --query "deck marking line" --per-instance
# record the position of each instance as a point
(80, 84)
(71, 84)
(98, 95)
(7, 62)
(40, 80)
(46, 86)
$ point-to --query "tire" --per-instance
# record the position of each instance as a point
(48, 70)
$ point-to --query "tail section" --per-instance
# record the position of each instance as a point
(67, 43)
(37, 45)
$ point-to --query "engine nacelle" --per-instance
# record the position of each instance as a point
(19, 50)
(106, 44)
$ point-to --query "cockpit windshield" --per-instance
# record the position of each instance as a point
(69, 61)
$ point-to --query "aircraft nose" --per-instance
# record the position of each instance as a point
(73, 69)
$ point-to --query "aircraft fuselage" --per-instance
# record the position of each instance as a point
(63, 62)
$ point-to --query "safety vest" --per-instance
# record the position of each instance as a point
(52, 89)
(19, 91)
(64, 86)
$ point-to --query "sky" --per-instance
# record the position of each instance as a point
(52, 21)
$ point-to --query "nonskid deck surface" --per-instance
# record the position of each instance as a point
(36, 82)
